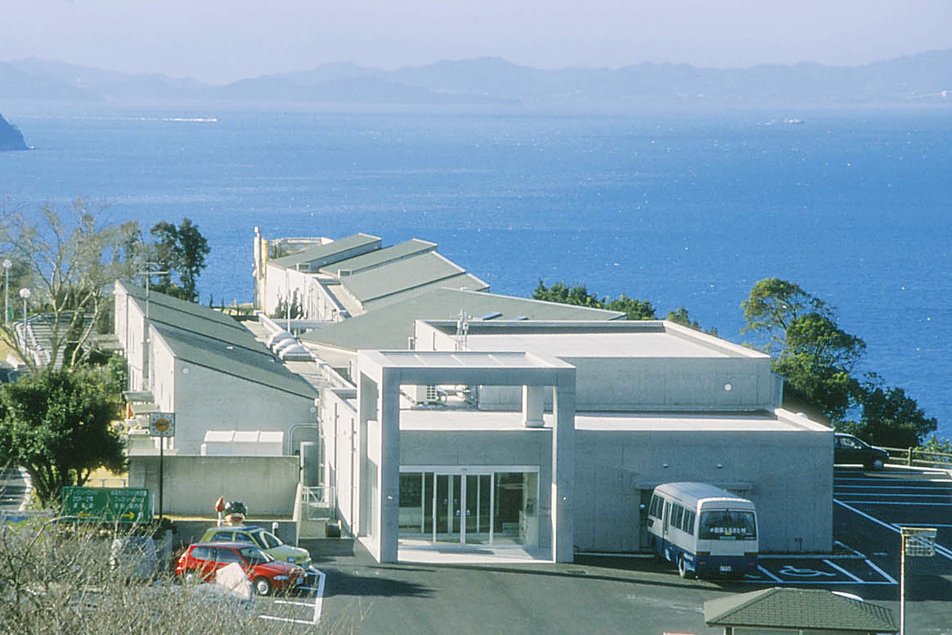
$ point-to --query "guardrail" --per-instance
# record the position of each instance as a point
(317, 503)
(920, 457)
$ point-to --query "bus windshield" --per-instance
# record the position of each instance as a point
(727, 525)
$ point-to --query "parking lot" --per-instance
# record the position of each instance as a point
(637, 594)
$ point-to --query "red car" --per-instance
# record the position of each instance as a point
(201, 560)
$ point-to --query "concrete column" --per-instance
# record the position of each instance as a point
(563, 468)
(389, 468)
(366, 410)
(533, 406)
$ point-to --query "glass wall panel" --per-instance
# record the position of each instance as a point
(412, 494)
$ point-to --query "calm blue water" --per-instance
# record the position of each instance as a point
(680, 210)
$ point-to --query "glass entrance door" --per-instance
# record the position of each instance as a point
(469, 508)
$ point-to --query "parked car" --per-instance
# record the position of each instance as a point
(264, 540)
(848, 449)
(201, 560)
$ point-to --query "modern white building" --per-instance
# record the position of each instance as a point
(450, 418)
(549, 437)
(240, 415)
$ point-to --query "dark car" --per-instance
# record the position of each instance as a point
(201, 560)
(847, 449)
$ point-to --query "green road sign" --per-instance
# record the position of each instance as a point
(108, 504)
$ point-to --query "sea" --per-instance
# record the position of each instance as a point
(684, 209)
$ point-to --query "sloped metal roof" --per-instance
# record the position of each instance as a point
(390, 326)
(324, 254)
(238, 362)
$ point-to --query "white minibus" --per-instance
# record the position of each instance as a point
(705, 530)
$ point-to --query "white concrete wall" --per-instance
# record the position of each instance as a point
(339, 426)
(645, 383)
(206, 399)
(791, 474)
(192, 484)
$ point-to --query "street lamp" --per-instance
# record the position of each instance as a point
(7, 264)
(25, 294)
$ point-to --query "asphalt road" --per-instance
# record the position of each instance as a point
(639, 595)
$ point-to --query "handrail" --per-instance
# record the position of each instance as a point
(916, 456)
(318, 502)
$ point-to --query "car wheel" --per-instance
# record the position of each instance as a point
(876, 464)
(683, 568)
(190, 577)
(262, 586)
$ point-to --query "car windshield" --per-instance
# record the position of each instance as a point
(255, 556)
(727, 525)
(270, 540)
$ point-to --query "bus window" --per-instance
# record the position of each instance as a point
(727, 525)
(654, 509)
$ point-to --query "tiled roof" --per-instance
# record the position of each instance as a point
(799, 609)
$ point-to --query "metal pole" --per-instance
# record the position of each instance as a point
(6, 293)
(161, 480)
(902, 584)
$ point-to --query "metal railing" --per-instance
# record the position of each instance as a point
(317, 503)
(920, 457)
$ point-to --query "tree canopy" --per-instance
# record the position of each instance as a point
(181, 251)
(66, 259)
(578, 295)
(57, 424)
(818, 360)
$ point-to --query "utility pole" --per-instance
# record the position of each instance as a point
(914, 542)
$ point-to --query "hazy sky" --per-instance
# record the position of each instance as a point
(224, 40)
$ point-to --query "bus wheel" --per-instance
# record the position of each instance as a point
(683, 569)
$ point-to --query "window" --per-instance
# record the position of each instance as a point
(227, 556)
(270, 540)
(254, 555)
(223, 536)
(676, 516)
(654, 509)
(201, 553)
(728, 525)
(688, 523)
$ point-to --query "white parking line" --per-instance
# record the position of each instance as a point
(769, 575)
(900, 503)
(942, 550)
(318, 606)
(843, 571)
(872, 565)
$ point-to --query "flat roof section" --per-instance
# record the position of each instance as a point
(630, 344)
(685, 422)
(448, 419)
(326, 253)
(468, 359)
(619, 338)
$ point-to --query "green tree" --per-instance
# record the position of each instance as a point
(811, 352)
(579, 295)
(680, 316)
(57, 424)
(560, 292)
(632, 308)
(181, 251)
(889, 417)
(772, 307)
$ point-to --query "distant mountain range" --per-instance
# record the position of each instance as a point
(925, 78)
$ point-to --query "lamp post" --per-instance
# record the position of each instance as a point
(7, 264)
(25, 294)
